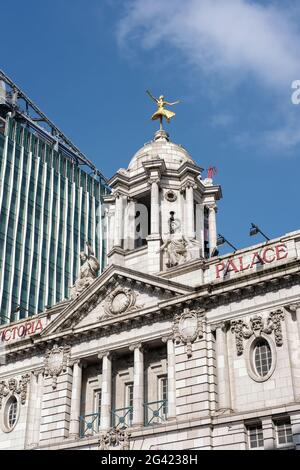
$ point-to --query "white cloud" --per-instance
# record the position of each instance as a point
(244, 38)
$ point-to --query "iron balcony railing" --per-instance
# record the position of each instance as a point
(155, 412)
(89, 424)
(122, 416)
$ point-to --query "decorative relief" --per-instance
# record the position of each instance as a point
(170, 196)
(115, 439)
(56, 362)
(256, 327)
(120, 300)
(15, 387)
(187, 328)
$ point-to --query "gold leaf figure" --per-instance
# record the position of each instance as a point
(161, 112)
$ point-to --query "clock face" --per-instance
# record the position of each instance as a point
(119, 303)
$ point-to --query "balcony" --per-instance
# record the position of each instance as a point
(122, 417)
(156, 412)
(89, 424)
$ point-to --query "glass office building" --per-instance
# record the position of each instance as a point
(49, 208)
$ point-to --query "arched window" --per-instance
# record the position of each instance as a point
(11, 413)
(262, 357)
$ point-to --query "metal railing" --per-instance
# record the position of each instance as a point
(89, 424)
(156, 412)
(122, 416)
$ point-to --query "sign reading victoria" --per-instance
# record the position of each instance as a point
(17, 332)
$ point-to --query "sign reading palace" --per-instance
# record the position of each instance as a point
(256, 259)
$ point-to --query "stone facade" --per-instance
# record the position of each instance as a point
(169, 348)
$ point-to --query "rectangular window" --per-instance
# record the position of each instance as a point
(284, 432)
(255, 436)
(163, 393)
(97, 404)
(129, 400)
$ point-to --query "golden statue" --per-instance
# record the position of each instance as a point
(161, 111)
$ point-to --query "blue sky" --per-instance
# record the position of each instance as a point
(87, 65)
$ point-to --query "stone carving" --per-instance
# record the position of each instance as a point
(56, 362)
(115, 439)
(13, 387)
(187, 328)
(170, 196)
(88, 272)
(119, 300)
(256, 327)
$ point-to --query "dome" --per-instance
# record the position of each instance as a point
(173, 155)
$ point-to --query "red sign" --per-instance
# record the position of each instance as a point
(258, 258)
(21, 331)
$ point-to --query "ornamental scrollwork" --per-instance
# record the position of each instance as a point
(15, 387)
(56, 362)
(115, 438)
(256, 326)
(187, 327)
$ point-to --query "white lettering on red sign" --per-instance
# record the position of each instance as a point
(258, 258)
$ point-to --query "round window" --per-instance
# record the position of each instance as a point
(11, 413)
(262, 356)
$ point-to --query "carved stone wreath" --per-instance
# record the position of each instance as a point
(120, 300)
(256, 327)
(56, 362)
(170, 196)
(14, 387)
(116, 438)
(187, 328)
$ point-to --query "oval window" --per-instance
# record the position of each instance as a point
(262, 357)
(11, 414)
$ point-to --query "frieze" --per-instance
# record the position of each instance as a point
(256, 326)
(115, 439)
(14, 387)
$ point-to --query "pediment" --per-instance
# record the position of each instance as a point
(119, 292)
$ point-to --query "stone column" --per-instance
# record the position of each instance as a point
(189, 210)
(268, 432)
(118, 220)
(154, 206)
(129, 226)
(171, 377)
(212, 227)
(75, 400)
(292, 314)
(39, 377)
(223, 378)
(138, 384)
(295, 423)
(105, 418)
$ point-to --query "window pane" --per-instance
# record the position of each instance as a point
(262, 357)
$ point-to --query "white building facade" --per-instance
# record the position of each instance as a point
(169, 348)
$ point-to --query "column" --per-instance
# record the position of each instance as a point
(223, 378)
(268, 432)
(171, 377)
(200, 227)
(118, 220)
(212, 227)
(31, 409)
(189, 209)
(105, 418)
(138, 385)
(39, 376)
(154, 206)
(129, 226)
(293, 342)
(75, 400)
